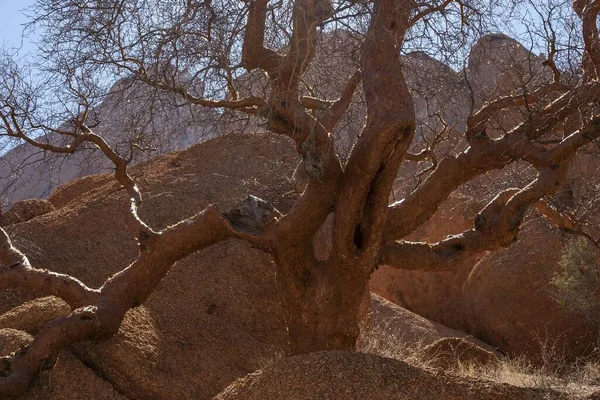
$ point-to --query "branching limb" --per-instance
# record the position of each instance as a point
(338, 108)
(476, 122)
(588, 11)
(132, 286)
(251, 102)
(16, 271)
(307, 15)
(495, 227)
(361, 206)
(82, 134)
(313, 103)
(104, 309)
(485, 155)
(18, 370)
(428, 11)
(254, 52)
(563, 221)
(139, 230)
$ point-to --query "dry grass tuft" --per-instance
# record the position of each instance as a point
(579, 378)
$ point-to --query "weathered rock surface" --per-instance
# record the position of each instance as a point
(12, 340)
(504, 297)
(396, 330)
(32, 315)
(206, 325)
(342, 375)
(70, 379)
(25, 210)
(507, 297)
(216, 316)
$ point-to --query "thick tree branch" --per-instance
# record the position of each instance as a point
(486, 154)
(161, 251)
(17, 271)
(18, 370)
(105, 308)
(588, 11)
(563, 221)
(312, 103)
(361, 206)
(254, 52)
(496, 227)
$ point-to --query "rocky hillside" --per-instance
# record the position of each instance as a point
(130, 112)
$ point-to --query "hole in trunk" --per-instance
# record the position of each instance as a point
(358, 237)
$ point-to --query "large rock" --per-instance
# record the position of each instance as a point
(484, 296)
(191, 359)
(216, 315)
(343, 375)
(206, 324)
(499, 65)
(25, 210)
(12, 340)
(130, 112)
(504, 297)
(205, 305)
(70, 379)
(396, 332)
(508, 297)
(32, 315)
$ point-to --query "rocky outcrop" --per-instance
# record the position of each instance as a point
(130, 112)
(32, 315)
(485, 296)
(216, 316)
(25, 210)
(12, 340)
(394, 331)
(69, 379)
(499, 65)
(206, 324)
(342, 375)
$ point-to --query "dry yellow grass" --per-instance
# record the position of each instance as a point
(575, 379)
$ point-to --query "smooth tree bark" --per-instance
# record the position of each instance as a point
(324, 300)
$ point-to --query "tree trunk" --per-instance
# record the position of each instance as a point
(324, 309)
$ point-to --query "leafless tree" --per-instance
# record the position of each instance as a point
(212, 43)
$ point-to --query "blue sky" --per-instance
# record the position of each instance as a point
(11, 27)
